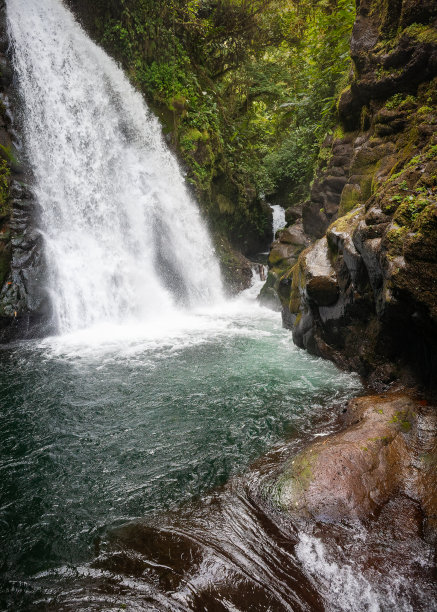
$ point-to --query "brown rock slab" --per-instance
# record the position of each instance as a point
(351, 474)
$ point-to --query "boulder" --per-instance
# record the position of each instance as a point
(352, 474)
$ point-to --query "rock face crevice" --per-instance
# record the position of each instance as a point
(364, 294)
(24, 305)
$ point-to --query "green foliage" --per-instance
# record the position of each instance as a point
(399, 100)
(432, 152)
(259, 77)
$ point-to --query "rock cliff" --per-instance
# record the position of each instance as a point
(364, 293)
(24, 308)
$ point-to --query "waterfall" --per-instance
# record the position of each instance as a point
(123, 239)
(278, 218)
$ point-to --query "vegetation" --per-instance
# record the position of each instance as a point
(245, 91)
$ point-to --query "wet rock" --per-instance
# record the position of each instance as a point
(269, 298)
(323, 290)
(294, 235)
(293, 214)
(24, 304)
(235, 268)
(352, 474)
(315, 220)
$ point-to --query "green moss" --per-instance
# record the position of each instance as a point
(225, 204)
(339, 132)
(432, 152)
(425, 223)
(422, 33)
(403, 420)
(350, 198)
(424, 110)
(189, 139)
(298, 284)
(399, 101)
(296, 479)
(409, 210)
(396, 238)
(347, 222)
(365, 119)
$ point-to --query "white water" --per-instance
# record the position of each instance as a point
(124, 242)
(278, 218)
(341, 585)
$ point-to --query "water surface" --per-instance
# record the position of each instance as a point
(107, 426)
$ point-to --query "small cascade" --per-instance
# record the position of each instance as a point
(122, 235)
(278, 218)
(259, 272)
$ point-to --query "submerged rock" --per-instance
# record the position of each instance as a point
(387, 449)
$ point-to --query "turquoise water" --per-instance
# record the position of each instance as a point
(116, 424)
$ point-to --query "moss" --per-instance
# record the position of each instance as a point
(298, 284)
(5, 199)
(425, 222)
(177, 103)
(365, 119)
(409, 210)
(325, 155)
(403, 420)
(396, 238)
(296, 479)
(347, 222)
(7, 154)
(422, 33)
(339, 132)
(432, 152)
(225, 204)
(424, 110)
(189, 139)
(350, 197)
(400, 100)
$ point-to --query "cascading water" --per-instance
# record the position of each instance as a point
(278, 218)
(123, 239)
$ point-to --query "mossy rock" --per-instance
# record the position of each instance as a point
(5, 261)
(350, 474)
(351, 196)
(225, 205)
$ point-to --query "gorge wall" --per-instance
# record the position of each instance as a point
(363, 294)
(24, 306)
